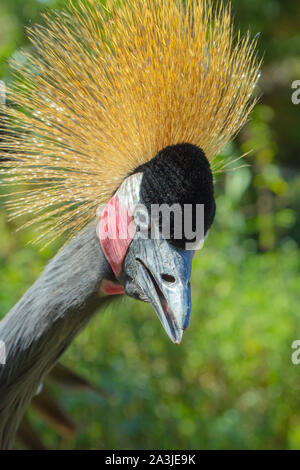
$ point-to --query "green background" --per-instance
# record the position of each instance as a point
(231, 383)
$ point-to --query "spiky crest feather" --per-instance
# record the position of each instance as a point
(107, 87)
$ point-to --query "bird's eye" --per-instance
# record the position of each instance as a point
(168, 278)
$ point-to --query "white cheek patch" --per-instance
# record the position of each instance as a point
(129, 191)
(117, 229)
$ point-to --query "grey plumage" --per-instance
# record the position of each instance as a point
(44, 322)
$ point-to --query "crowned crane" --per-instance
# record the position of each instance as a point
(118, 109)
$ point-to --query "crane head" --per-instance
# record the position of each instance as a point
(130, 112)
(151, 228)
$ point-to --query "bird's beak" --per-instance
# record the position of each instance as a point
(157, 272)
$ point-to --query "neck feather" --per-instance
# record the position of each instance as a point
(45, 321)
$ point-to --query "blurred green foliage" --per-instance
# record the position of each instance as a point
(231, 383)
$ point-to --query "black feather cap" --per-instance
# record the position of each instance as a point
(179, 174)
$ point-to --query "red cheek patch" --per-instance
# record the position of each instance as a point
(111, 288)
(116, 231)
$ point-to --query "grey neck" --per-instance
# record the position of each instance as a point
(44, 322)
